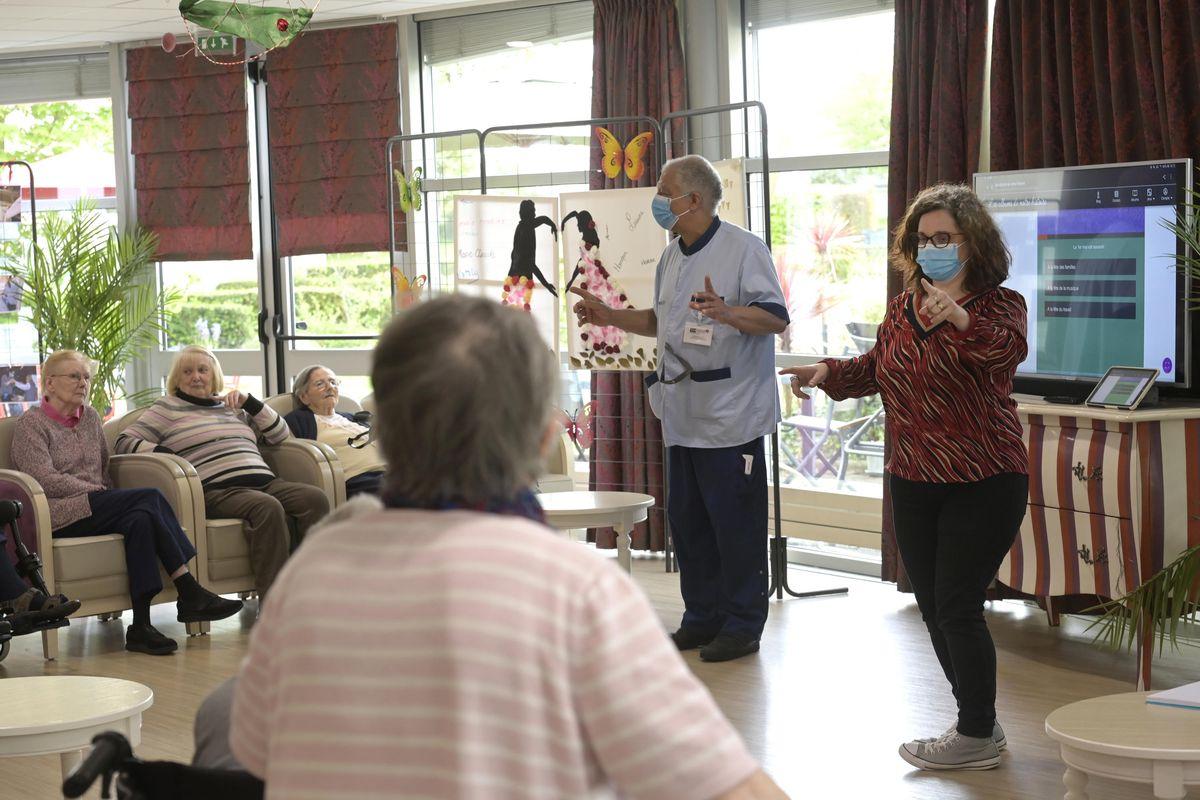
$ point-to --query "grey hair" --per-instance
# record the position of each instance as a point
(301, 383)
(697, 174)
(464, 388)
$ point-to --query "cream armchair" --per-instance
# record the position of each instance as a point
(91, 569)
(222, 553)
(284, 404)
(559, 467)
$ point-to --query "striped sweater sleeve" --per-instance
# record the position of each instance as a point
(264, 420)
(146, 434)
(679, 749)
(995, 339)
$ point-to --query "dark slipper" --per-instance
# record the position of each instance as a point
(148, 639)
(206, 608)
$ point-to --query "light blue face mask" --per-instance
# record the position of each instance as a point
(939, 263)
(660, 207)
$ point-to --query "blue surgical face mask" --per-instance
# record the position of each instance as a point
(939, 263)
(660, 207)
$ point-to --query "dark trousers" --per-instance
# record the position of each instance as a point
(152, 534)
(952, 538)
(718, 516)
(366, 483)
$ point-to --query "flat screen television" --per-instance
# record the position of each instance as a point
(1097, 269)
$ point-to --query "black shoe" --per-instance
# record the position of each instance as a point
(691, 638)
(207, 607)
(728, 646)
(147, 639)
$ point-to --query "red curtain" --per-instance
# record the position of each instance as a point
(637, 70)
(1086, 82)
(190, 147)
(334, 100)
(937, 104)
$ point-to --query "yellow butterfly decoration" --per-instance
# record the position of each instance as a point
(632, 156)
(407, 292)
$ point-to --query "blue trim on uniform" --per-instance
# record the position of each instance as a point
(707, 375)
(774, 308)
(704, 239)
(650, 379)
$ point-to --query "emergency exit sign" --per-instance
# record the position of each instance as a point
(217, 43)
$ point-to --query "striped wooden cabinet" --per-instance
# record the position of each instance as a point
(1113, 497)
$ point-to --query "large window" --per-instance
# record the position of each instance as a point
(829, 126)
(503, 69)
(68, 143)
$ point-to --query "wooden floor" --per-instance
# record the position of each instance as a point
(839, 684)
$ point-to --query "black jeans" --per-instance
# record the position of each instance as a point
(952, 538)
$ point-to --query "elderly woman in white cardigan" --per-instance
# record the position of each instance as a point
(316, 391)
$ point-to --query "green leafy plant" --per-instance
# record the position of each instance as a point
(92, 289)
(1166, 601)
(1186, 226)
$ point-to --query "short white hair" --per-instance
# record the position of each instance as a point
(697, 174)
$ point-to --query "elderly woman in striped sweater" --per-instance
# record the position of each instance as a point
(60, 444)
(218, 432)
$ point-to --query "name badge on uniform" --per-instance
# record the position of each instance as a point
(698, 333)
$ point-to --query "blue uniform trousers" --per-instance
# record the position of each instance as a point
(718, 516)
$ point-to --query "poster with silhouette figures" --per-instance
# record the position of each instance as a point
(506, 249)
(611, 245)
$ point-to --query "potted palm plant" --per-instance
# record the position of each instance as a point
(91, 288)
(1170, 598)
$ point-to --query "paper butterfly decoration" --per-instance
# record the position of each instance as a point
(409, 190)
(268, 26)
(407, 292)
(579, 427)
(632, 156)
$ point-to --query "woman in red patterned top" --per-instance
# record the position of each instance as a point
(943, 364)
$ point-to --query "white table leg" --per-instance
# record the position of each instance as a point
(1168, 780)
(69, 761)
(1076, 783)
(624, 559)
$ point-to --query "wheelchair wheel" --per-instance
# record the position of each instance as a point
(4, 648)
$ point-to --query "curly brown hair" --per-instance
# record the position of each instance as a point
(987, 266)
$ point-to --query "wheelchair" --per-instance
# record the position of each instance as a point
(29, 567)
(112, 762)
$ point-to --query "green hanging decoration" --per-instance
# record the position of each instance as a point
(268, 26)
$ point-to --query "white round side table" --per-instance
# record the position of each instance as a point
(1122, 736)
(61, 714)
(621, 510)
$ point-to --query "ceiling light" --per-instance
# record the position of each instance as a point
(519, 43)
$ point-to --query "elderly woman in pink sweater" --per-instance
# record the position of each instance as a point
(60, 444)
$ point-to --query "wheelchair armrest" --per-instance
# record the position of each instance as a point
(171, 475)
(34, 524)
(305, 461)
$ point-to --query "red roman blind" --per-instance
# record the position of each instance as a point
(191, 149)
(334, 100)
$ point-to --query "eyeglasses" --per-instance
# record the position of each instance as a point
(74, 377)
(939, 240)
(325, 383)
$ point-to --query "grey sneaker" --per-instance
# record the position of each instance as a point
(952, 751)
(997, 735)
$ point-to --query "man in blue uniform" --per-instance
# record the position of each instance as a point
(717, 308)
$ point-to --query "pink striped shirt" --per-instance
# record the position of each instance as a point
(463, 655)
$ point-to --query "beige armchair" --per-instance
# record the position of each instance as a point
(559, 475)
(284, 404)
(91, 569)
(222, 553)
